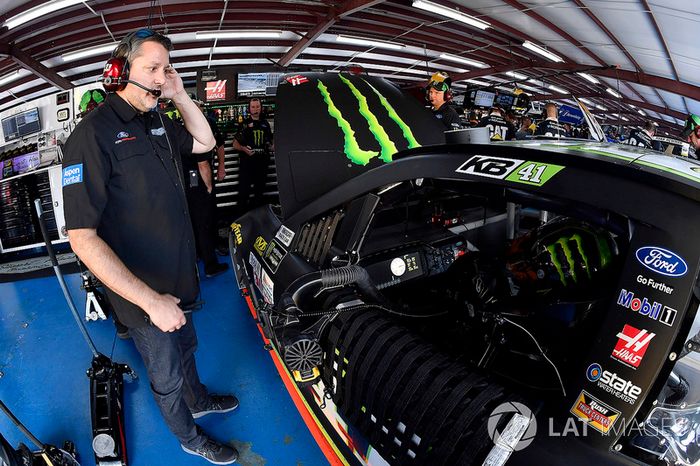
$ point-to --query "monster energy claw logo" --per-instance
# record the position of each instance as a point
(353, 151)
(258, 137)
(565, 245)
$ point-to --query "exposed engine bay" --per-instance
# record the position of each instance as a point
(429, 289)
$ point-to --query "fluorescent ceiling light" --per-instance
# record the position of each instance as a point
(38, 11)
(624, 119)
(450, 13)
(9, 77)
(588, 78)
(631, 105)
(89, 52)
(515, 75)
(466, 61)
(587, 102)
(613, 93)
(251, 34)
(641, 112)
(541, 51)
(369, 42)
(616, 115)
(557, 89)
(477, 82)
(600, 107)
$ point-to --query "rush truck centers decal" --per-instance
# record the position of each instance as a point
(518, 171)
(651, 309)
(596, 413)
(353, 151)
(631, 346)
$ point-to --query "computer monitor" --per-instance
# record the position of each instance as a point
(484, 98)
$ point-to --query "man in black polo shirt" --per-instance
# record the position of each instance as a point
(254, 145)
(499, 128)
(127, 220)
(642, 137)
(550, 126)
(439, 95)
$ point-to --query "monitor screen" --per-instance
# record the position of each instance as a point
(505, 100)
(484, 98)
(9, 129)
(20, 125)
(28, 122)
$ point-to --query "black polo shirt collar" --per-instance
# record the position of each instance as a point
(121, 107)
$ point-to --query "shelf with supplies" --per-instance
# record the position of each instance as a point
(229, 116)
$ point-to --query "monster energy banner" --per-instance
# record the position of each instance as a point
(332, 127)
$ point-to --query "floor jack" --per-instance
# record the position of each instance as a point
(47, 455)
(106, 382)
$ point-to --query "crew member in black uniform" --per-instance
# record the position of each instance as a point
(201, 200)
(499, 128)
(254, 145)
(642, 137)
(127, 220)
(439, 95)
(550, 126)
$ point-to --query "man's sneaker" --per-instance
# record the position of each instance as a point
(215, 270)
(218, 404)
(214, 452)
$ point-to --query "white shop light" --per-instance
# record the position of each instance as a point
(557, 89)
(600, 107)
(515, 75)
(466, 61)
(9, 77)
(588, 78)
(587, 102)
(369, 42)
(641, 112)
(39, 11)
(451, 13)
(89, 52)
(249, 34)
(541, 51)
(477, 82)
(613, 93)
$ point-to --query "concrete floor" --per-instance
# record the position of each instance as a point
(43, 359)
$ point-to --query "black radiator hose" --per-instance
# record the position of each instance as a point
(332, 278)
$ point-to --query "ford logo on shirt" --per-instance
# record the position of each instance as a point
(662, 261)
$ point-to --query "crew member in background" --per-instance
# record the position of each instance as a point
(127, 220)
(642, 137)
(499, 128)
(439, 95)
(254, 145)
(201, 199)
(691, 131)
(526, 129)
(550, 126)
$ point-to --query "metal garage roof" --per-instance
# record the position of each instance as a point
(641, 49)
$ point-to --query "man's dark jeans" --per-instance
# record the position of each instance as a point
(169, 359)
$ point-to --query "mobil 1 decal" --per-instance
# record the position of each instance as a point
(515, 170)
(636, 328)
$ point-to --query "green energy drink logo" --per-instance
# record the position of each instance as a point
(568, 246)
(258, 136)
(353, 151)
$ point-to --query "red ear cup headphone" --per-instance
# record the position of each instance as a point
(448, 95)
(115, 74)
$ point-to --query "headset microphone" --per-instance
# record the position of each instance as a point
(155, 92)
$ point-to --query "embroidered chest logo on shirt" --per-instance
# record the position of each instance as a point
(158, 131)
(123, 136)
(73, 174)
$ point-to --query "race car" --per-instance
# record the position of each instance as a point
(452, 304)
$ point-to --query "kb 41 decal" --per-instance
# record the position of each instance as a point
(518, 171)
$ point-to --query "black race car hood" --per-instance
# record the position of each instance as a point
(330, 127)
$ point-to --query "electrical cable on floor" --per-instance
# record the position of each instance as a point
(541, 351)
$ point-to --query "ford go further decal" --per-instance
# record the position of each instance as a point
(662, 261)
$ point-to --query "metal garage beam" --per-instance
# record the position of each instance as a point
(350, 7)
(24, 60)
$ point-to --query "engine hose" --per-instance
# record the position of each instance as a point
(361, 307)
(332, 278)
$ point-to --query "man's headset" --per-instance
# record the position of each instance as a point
(115, 75)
